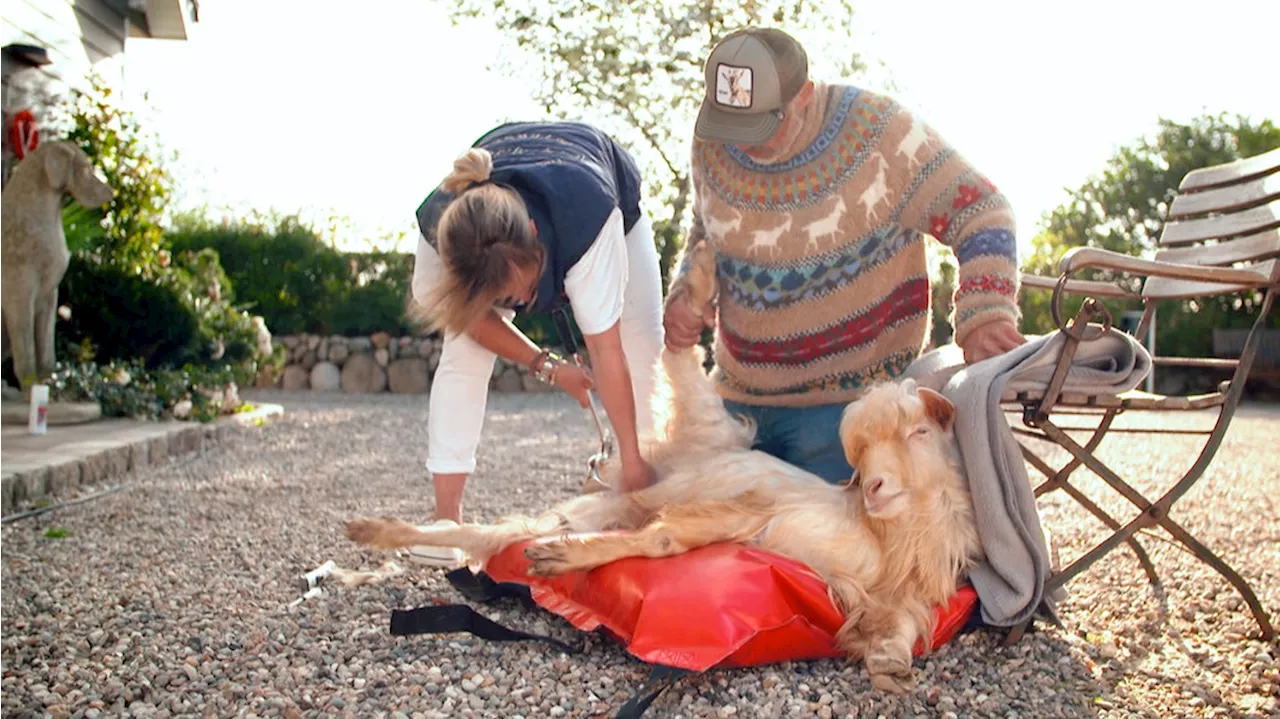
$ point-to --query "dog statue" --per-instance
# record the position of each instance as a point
(33, 249)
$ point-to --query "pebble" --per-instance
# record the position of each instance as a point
(112, 625)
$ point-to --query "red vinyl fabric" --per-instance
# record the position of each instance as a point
(719, 606)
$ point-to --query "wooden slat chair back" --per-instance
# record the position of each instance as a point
(1222, 237)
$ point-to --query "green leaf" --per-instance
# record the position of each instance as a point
(639, 67)
(1123, 208)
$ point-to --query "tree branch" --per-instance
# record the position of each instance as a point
(645, 131)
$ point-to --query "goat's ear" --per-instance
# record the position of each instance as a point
(938, 408)
(846, 430)
(57, 165)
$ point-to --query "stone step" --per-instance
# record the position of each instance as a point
(70, 456)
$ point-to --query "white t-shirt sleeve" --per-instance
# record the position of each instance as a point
(426, 269)
(597, 283)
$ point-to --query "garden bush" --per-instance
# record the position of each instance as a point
(177, 316)
(142, 330)
(282, 270)
(129, 389)
(120, 315)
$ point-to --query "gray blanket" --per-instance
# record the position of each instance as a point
(1010, 581)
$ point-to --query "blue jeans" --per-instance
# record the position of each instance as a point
(808, 437)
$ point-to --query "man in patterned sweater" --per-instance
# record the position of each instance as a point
(816, 198)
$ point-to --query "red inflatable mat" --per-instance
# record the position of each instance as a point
(719, 606)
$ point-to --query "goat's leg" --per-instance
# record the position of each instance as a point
(695, 415)
(852, 600)
(700, 279)
(481, 541)
(890, 635)
(677, 530)
(600, 512)
(694, 412)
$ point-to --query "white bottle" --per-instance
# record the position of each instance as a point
(38, 418)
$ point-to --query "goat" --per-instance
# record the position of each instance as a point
(891, 544)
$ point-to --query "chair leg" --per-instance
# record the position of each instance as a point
(1062, 439)
(1143, 558)
(1208, 557)
(1016, 632)
(1058, 480)
(1157, 513)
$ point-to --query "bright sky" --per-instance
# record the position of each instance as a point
(314, 106)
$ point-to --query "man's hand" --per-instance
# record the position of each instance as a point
(992, 339)
(681, 326)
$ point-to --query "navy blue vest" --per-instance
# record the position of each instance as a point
(570, 176)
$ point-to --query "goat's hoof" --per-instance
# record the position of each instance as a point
(548, 559)
(891, 674)
(851, 639)
(702, 277)
(362, 531)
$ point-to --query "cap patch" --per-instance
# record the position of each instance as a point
(733, 85)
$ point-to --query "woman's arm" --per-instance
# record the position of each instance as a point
(613, 379)
(613, 382)
(494, 332)
(498, 335)
(596, 286)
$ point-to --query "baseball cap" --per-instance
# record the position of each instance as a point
(750, 76)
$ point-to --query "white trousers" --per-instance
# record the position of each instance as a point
(460, 389)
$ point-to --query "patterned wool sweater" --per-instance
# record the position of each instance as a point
(824, 287)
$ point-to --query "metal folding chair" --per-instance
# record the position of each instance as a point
(1223, 236)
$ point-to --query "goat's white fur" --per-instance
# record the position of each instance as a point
(886, 569)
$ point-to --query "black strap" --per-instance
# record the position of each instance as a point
(480, 587)
(661, 677)
(453, 618)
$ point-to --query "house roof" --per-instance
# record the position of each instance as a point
(158, 19)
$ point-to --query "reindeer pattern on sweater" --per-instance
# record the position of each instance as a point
(821, 261)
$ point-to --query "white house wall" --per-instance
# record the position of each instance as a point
(79, 35)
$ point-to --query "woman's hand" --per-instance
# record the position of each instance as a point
(637, 474)
(574, 380)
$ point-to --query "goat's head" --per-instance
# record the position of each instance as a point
(69, 169)
(897, 438)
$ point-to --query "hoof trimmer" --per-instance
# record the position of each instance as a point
(570, 343)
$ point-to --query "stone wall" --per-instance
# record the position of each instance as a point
(377, 363)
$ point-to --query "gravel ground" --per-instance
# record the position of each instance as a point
(171, 599)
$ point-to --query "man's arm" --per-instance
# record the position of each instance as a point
(961, 207)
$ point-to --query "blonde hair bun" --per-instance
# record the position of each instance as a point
(475, 165)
